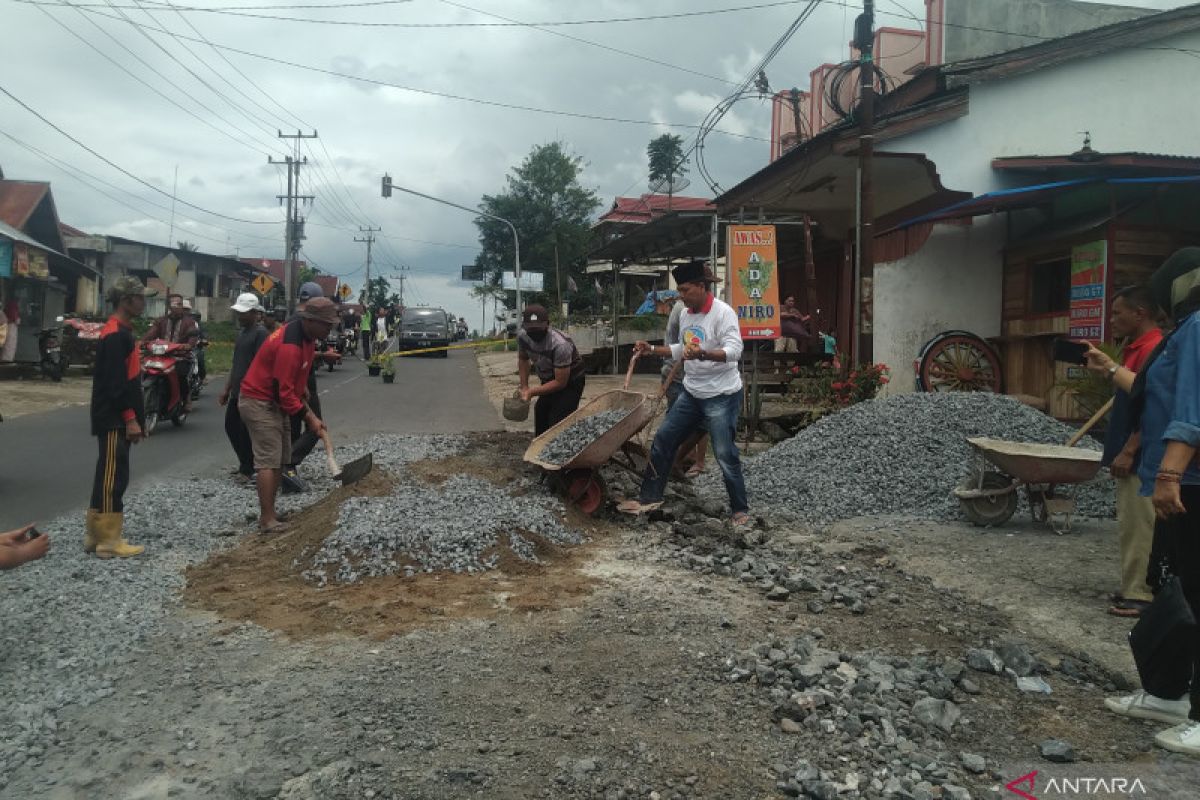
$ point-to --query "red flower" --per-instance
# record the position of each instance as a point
(884, 379)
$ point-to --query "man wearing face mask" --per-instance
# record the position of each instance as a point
(553, 356)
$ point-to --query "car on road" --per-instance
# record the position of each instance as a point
(426, 327)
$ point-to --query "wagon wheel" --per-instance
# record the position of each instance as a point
(987, 512)
(959, 362)
(585, 490)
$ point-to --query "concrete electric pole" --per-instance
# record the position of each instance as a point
(294, 227)
(370, 240)
(864, 40)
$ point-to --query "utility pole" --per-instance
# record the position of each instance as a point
(864, 39)
(370, 240)
(402, 269)
(294, 227)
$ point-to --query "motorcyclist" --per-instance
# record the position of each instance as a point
(176, 326)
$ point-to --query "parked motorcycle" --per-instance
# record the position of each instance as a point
(160, 359)
(328, 352)
(51, 359)
(349, 339)
(80, 338)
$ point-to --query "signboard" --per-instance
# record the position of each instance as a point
(21, 260)
(472, 272)
(530, 281)
(344, 291)
(167, 269)
(6, 258)
(1089, 273)
(754, 279)
(39, 264)
(262, 284)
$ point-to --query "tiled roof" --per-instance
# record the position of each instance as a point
(649, 206)
(18, 199)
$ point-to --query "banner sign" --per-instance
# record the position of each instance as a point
(472, 272)
(21, 260)
(39, 264)
(754, 279)
(530, 281)
(1089, 273)
(6, 258)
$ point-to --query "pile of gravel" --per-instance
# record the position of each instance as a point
(72, 622)
(460, 526)
(575, 437)
(898, 455)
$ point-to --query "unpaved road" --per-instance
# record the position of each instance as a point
(617, 686)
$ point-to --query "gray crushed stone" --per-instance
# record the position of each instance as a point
(899, 455)
(460, 527)
(574, 438)
(72, 622)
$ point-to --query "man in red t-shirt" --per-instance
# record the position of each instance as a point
(1134, 319)
(274, 388)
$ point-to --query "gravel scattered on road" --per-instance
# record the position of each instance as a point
(567, 444)
(898, 455)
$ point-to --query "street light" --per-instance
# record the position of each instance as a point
(386, 187)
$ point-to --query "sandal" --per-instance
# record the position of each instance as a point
(741, 520)
(275, 527)
(1128, 608)
(695, 471)
(636, 507)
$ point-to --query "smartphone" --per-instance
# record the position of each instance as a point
(32, 534)
(1070, 351)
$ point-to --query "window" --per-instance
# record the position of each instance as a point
(1050, 287)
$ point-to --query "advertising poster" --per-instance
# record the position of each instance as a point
(754, 279)
(20, 260)
(1089, 275)
(39, 264)
(6, 259)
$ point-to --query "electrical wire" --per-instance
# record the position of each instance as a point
(124, 171)
(444, 95)
(233, 11)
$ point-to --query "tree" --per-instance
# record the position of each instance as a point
(380, 294)
(307, 274)
(552, 213)
(667, 161)
(187, 247)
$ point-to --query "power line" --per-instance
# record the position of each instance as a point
(590, 43)
(237, 11)
(444, 95)
(121, 169)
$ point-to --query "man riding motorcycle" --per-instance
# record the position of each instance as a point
(176, 326)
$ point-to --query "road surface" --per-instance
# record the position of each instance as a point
(48, 459)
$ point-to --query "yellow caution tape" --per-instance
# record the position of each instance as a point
(484, 343)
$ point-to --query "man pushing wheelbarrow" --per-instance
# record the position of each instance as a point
(711, 344)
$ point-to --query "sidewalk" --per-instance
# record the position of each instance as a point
(33, 394)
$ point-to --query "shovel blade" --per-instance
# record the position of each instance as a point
(356, 470)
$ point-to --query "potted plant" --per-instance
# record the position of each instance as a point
(389, 370)
(374, 366)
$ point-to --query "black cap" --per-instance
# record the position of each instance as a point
(535, 318)
(693, 271)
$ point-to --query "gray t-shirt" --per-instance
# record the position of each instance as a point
(556, 351)
(244, 350)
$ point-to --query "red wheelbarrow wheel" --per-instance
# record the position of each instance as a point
(585, 490)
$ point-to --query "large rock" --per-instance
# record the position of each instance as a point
(935, 713)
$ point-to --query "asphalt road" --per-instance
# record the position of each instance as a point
(47, 460)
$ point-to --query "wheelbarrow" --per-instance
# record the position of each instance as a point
(1000, 469)
(579, 478)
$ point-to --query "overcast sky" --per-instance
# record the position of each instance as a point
(56, 60)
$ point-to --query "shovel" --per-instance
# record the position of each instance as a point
(353, 472)
(1104, 409)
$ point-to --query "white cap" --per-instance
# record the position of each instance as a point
(187, 304)
(247, 301)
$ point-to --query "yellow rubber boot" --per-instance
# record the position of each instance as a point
(90, 536)
(111, 545)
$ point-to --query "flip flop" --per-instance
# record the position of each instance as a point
(1129, 608)
(741, 520)
(695, 471)
(636, 507)
(277, 527)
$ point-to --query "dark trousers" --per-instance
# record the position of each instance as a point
(686, 416)
(239, 437)
(366, 344)
(1177, 549)
(112, 473)
(304, 442)
(551, 409)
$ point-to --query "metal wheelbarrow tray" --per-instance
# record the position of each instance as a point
(989, 494)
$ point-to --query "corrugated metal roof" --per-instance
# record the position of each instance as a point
(10, 232)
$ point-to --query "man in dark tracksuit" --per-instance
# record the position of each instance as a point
(250, 338)
(117, 418)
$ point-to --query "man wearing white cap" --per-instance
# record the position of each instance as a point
(250, 338)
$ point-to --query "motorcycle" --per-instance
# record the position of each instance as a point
(328, 352)
(349, 342)
(195, 381)
(160, 359)
(51, 359)
(80, 338)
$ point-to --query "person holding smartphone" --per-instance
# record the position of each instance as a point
(21, 546)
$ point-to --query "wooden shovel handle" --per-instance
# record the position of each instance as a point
(629, 372)
(1087, 426)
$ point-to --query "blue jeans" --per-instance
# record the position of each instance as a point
(717, 415)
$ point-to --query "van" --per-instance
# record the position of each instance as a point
(425, 327)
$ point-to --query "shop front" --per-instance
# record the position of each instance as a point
(26, 281)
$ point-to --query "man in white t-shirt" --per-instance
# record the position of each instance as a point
(710, 346)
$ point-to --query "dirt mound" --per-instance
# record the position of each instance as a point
(260, 581)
